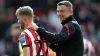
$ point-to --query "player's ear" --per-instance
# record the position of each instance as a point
(71, 11)
(25, 20)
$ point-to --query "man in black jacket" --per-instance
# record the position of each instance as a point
(68, 42)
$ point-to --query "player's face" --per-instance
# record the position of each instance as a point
(63, 12)
(21, 22)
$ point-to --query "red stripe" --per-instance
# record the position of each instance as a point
(27, 38)
(29, 42)
(68, 31)
(31, 50)
(35, 37)
(43, 48)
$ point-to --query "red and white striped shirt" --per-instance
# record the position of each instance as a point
(30, 38)
(88, 48)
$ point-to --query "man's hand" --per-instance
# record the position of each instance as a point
(34, 26)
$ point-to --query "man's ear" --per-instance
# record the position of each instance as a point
(25, 20)
(71, 11)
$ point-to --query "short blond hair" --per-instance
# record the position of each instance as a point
(25, 10)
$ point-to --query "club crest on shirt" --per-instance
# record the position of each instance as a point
(21, 38)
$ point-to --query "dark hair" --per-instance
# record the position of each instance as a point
(36, 20)
(66, 3)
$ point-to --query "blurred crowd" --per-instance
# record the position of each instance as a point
(86, 12)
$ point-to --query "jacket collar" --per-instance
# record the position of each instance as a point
(70, 18)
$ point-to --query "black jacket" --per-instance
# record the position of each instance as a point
(69, 42)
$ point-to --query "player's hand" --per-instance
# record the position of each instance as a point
(34, 26)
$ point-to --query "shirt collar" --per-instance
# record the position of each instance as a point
(70, 18)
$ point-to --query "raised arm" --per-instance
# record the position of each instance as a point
(66, 32)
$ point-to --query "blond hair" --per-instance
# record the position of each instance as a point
(25, 10)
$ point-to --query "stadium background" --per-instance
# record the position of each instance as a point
(86, 12)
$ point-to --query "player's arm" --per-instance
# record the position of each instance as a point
(24, 40)
(65, 34)
(26, 51)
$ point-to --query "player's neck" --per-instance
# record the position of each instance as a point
(29, 25)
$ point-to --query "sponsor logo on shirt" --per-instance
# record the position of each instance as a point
(21, 38)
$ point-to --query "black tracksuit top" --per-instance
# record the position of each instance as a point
(68, 42)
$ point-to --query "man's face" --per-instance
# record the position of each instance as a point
(63, 12)
(21, 21)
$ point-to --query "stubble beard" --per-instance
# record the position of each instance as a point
(22, 26)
